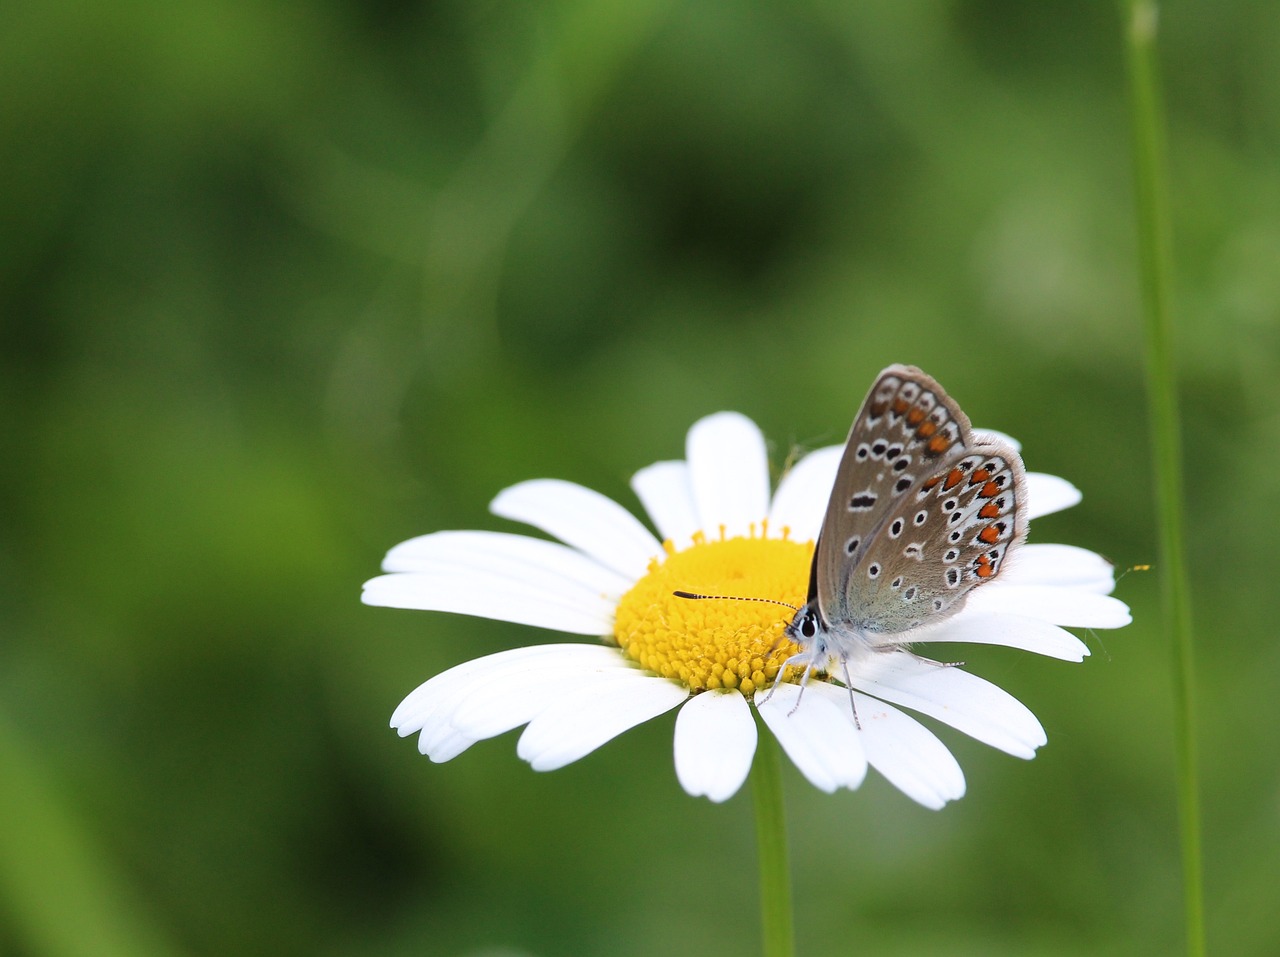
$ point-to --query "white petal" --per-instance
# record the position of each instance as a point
(817, 736)
(489, 595)
(437, 698)
(801, 500)
(715, 742)
(665, 491)
(1048, 493)
(1013, 631)
(534, 560)
(510, 691)
(729, 472)
(583, 518)
(1061, 565)
(998, 436)
(441, 741)
(592, 715)
(955, 697)
(907, 753)
(508, 701)
(444, 745)
(1061, 606)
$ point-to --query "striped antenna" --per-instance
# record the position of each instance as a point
(771, 601)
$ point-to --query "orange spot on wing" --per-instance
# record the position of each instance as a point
(985, 569)
(926, 429)
(990, 535)
(990, 510)
(979, 475)
(939, 444)
(915, 416)
(929, 485)
(990, 490)
(953, 479)
(900, 405)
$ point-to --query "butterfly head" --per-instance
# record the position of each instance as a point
(807, 629)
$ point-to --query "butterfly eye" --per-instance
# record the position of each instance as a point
(808, 627)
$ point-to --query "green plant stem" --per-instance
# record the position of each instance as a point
(771, 839)
(1155, 253)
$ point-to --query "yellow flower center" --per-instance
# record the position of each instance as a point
(716, 642)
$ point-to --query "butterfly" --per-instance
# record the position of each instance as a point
(923, 511)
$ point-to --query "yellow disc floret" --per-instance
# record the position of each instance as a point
(716, 642)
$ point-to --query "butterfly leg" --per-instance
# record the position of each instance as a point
(777, 680)
(888, 647)
(804, 680)
(929, 661)
(809, 660)
(844, 665)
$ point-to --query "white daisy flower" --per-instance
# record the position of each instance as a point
(719, 533)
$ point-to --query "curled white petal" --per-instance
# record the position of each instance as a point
(955, 697)
(488, 594)
(1061, 606)
(585, 519)
(534, 560)
(1048, 493)
(801, 500)
(714, 743)
(908, 754)
(665, 491)
(1013, 631)
(1063, 566)
(593, 714)
(729, 473)
(817, 737)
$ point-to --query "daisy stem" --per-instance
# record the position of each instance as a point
(771, 839)
(1156, 256)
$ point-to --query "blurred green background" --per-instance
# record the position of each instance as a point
(285, 283)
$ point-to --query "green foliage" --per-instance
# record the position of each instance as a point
(284, 284)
